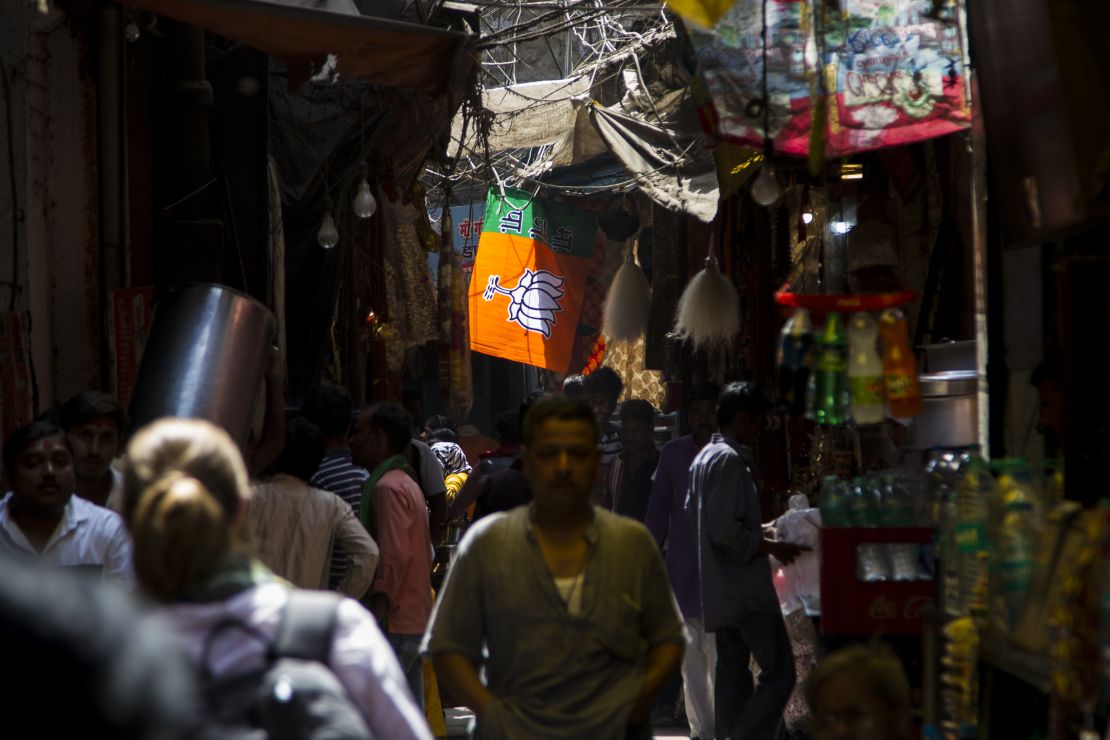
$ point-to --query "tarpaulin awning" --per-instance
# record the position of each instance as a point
(385, 52)
(668, 157)
(527, 115)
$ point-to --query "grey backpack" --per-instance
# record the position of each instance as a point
(295, 696)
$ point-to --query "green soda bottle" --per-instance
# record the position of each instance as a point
(828, 385)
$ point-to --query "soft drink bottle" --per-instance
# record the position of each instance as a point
(899, 365)
(865, 371)
(795, 360)
(828, 386)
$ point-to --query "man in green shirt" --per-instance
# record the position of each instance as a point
(571, 602)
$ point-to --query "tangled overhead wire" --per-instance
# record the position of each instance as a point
(537, 41)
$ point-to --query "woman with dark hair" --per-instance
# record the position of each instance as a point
(185, 495)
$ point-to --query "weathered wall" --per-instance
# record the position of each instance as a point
(13, 147)
(56, 252)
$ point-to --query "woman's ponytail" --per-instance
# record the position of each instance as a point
(181, 535)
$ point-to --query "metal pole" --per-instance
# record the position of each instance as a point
(977, 148)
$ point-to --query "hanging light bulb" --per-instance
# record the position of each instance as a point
(328, 236)
(766, 189)
(364, 203)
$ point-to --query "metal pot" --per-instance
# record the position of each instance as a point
(949, 410)
(205, 358)
(946, 356)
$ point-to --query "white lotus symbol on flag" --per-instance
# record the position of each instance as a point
(534, 300)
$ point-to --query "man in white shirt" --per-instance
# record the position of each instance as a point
(41, 519)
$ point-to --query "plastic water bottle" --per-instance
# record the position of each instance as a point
(834, 503)
(941, 478)
(865, 502)
(897, 506)
(872, 558)
(942, 475)
(827, 397)
(1017, 482)
(865, 371)
(897, 511)
(1017, 538)
(975, 496)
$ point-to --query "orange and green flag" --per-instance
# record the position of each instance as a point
(529, 279)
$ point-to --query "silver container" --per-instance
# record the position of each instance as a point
(949, 410)
(946, 356)
(206, 358)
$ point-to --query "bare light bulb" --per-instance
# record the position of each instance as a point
(131, 32)
(328, 236)
(766, 190)
(364, 204)
(807, 217)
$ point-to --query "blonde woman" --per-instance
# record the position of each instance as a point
(185, 495)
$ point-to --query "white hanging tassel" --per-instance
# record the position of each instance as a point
(709, 310)
(628, 303)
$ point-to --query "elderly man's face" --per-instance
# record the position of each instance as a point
(561, 462)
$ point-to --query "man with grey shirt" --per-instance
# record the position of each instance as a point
(571, 602)
(738, 599)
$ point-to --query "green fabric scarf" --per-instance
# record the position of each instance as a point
(366, 505)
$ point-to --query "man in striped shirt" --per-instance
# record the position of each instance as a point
(330, 407)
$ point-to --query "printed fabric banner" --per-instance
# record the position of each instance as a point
(529, 279)
(894, 72)
(132, 313)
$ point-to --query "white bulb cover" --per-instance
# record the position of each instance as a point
(766, 190)
(364, 204)
(328, 236)
(807, 217)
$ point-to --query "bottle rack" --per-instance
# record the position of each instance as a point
(850, 606)
(843, 302)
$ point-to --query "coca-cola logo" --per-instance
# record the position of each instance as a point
(915, 608)
(884, 608)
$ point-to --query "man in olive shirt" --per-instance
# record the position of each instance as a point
(572, 602)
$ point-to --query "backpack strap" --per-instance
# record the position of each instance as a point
(307, 626)
(227, 624)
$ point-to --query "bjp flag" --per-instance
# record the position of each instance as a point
(529, 279)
